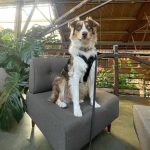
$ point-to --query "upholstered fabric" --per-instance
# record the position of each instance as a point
(141, 116)
(62, 129)
(43, 71)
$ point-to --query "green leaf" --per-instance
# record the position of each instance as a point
(15, 58)
(11, 101)
(3, 59)
(5, 117)
(31, 48)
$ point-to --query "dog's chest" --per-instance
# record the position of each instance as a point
(82, 66)
(78, 67)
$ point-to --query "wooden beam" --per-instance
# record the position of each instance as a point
(117, 19)
(106, 32)
(133, 42)
(116, 32)
(138, 22)
(18, 18)
(29, 18)
(101, 54)
(142, 27)
(148, 21)
(120, 43)
(120, 55)
(58, 20)
(82, 3)
(57, 16)
(53, 28)
(125, 55)
(146, 62)
(94, 2)
(29, 2)
(144, 36)
(139, 17)
(116, 70)
(104, 51)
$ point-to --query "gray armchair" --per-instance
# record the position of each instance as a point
(62, 130)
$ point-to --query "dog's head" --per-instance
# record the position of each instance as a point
(83, 30)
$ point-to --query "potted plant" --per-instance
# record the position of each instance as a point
(15, 58)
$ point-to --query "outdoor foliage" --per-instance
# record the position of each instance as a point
(105, 78)
(125, 80)
(15, 57)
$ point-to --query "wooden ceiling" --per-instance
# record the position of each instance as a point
(123, 22)
(120, 22)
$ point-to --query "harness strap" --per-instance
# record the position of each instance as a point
(89, 62)
(93, 109)
(66, 66)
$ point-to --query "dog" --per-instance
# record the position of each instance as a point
(79, 72)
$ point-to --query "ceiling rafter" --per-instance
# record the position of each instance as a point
(116, 32)
(137, 24)
(120, 19)
(57, 15)
(13, 2)
(110, 43)
(95, 2)
(18, 18)
(139, 16)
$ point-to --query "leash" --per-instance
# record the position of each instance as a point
(93, 107)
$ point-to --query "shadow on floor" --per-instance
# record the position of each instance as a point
(108, 141)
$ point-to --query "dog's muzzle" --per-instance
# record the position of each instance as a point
(84, 35)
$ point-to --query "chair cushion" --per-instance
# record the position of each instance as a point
(141, 116)
(43, 72)
(65, 131)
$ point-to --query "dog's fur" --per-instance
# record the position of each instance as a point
(66, 87)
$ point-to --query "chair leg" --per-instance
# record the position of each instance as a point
(33, 124)
(109, 128)
(30, 139)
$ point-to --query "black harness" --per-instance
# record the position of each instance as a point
(66, 69)
(89, 63)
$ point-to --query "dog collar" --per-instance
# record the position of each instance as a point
(85, 49)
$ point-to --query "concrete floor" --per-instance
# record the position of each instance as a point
(123, 136)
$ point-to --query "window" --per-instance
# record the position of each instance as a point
(7, 19)
(43, 15)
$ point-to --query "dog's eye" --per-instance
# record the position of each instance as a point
(78, 27)
(88, 27)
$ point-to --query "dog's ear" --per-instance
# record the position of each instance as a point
(73, 23)
(92, 22)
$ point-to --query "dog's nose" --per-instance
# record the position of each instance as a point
(84, 34)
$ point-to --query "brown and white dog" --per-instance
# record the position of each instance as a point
(80, 68)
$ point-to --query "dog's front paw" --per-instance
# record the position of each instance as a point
(77, 112)
(81, 101)
(96, 105)
(61, 104)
